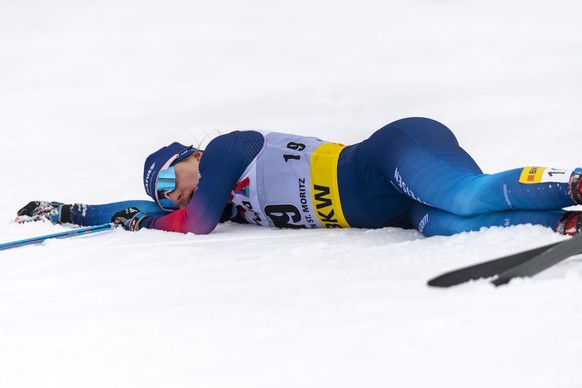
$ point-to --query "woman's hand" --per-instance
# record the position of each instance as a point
(40, 211)
(130, 219)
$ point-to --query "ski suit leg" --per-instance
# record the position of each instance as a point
(423, 160)
(435, 222)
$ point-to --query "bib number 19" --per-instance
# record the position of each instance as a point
(295, 147)
(283, 216)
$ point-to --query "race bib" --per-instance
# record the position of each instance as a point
(533, 175)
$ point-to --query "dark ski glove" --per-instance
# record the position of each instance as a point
(55, 212)
(130, 219)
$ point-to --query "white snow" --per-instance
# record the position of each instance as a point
(89, 89)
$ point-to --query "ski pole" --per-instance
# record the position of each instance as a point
(67, 234)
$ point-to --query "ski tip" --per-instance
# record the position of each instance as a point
(443, 281)
(455, 278)
(501, 280)
(432, 283)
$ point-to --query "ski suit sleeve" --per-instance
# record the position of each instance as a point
(87, 215)
(221, 165)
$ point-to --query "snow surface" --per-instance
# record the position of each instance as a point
(88, 89)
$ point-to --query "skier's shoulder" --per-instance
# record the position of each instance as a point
(239, 147)
(235, 139)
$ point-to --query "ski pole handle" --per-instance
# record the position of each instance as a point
(67, 234)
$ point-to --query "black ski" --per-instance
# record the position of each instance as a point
(542, 261)
(526, 263)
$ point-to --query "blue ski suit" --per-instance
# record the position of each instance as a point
(411, 173)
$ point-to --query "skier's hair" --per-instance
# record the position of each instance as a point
(208, 136)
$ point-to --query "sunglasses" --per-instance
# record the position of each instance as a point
(166, 183)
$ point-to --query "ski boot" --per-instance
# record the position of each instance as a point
(570, 223)
(575, 186)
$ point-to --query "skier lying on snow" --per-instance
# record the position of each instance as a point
(412, 173)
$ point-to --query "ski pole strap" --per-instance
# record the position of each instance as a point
(66, 234)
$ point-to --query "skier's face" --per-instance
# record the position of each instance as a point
(186, 180)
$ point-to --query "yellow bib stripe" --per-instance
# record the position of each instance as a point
(324, 188)
(531, 175)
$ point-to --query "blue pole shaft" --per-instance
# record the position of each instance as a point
(67, 234)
